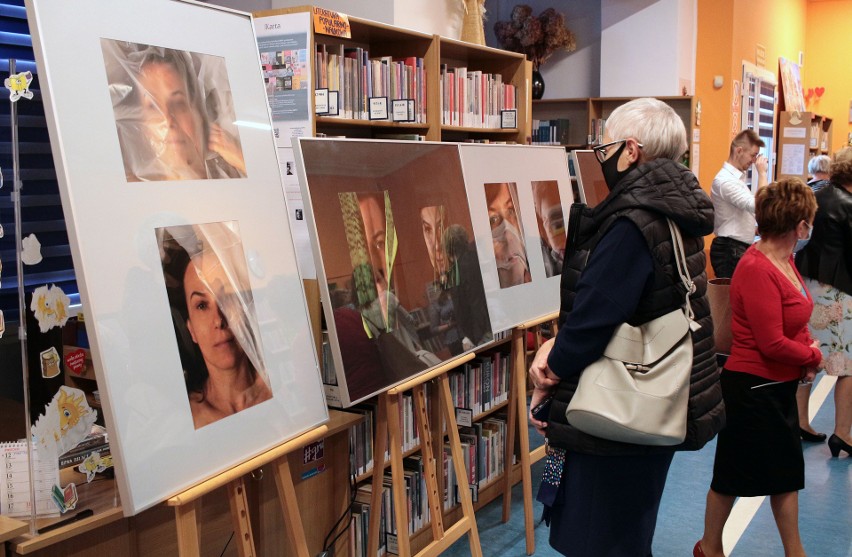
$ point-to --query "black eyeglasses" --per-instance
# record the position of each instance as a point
(601, 150)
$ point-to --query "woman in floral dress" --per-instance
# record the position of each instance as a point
(826, 264)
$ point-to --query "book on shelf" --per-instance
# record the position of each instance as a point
(473, 98)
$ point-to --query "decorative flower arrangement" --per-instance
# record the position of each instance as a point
(536, 36)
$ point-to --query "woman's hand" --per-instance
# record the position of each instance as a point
(226, 147)
(542, 376)
(537, 397)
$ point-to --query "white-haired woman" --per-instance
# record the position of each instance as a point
(602, 496)
(818, 168)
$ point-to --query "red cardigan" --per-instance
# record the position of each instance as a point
(769, 321)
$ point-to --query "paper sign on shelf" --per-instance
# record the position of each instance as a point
(328, 22)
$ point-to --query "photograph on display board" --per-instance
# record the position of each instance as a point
(551, 224)
(507, 232)
(398, 262)
(213, 312)
(196, 312)
(519, 198)
(174, 113)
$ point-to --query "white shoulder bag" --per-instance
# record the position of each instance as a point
(638, 391)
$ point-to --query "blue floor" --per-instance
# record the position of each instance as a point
(825, 512)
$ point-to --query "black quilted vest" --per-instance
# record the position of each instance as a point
(647, 195)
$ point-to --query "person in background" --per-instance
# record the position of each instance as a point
(602, 497)
(733, 203)
(818, 168)
(467, 293)
(759, 451)
(826, 264)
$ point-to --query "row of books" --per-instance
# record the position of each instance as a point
(357, 77)
(484, 452)
(361, 435)
(481, 383)
(474, 99)
(550, 132)
(417, 510)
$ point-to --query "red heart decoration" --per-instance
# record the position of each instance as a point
(819, 91)
(76, 361)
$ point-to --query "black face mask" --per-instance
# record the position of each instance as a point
(610, 168)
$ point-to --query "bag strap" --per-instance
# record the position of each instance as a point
(682, 269)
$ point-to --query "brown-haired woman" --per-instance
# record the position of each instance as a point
(826, 264)
(759, 451)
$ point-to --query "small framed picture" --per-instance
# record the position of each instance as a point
(333, 105)
(378, 108)
(508, 119)
(399, 110)
(321, 102)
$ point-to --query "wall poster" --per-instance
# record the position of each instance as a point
(170, 184)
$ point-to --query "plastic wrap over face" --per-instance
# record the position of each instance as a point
(174, 113)
(507, 234)
(212, 304)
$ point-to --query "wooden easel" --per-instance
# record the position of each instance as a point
(188, 503)
(388, 423)
(517, 419)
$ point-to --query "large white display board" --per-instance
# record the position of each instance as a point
(136, 93)
(493, 174)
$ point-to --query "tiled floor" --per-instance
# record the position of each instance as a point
(825, 511)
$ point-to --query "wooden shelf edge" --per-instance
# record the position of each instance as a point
(29, 544)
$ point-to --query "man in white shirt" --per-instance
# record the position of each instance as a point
(733, 203)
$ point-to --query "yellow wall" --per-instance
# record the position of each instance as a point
(827, 63)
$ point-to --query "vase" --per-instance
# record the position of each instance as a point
(537, 85)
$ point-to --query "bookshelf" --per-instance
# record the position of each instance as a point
(585, 114)
(801, 136)
(431, 52)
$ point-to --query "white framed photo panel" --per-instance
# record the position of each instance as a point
(519, 198)
(146, 174)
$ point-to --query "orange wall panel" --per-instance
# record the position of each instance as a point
(827, 63)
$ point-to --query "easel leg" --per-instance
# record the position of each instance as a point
(397, 477)
(188, 535)
(524, 439)
(458, 464)
(379, 447)
(239, 513)
(290, 507)
(429, 465)
(518, 369)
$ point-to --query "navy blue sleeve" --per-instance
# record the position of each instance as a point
(608, 293)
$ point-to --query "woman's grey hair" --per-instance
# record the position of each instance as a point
(820, 163)
(652, 123)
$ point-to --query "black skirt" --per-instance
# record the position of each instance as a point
(759, 451)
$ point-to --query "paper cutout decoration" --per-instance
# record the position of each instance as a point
(76, 361)
(19, 85)
(65, 498)
(94, 464)
(31, 250)
(50, 306)
(67, 419)
(49, 363)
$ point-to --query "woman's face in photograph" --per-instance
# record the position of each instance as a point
(375, 224)
(210, 299)
(509, 249)
(432, 224)
(171, 122)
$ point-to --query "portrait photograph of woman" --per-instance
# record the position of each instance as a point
(174, 113)
(212, 308)
(507, 233)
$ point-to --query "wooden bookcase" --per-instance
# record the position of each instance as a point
(585, 114)
(801, 136)
(380, 39)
